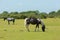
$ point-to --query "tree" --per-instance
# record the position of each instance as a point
(4, 14)
(43, 15)
(52, 14)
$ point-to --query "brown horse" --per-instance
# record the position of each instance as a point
(10, 19)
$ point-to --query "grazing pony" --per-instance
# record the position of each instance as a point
(34, 21)
(10, 19)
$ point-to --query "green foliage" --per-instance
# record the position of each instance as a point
(52, 14)
(23, 17)
(37, 14)
(43, 15)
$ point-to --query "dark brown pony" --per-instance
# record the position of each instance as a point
(10, 19)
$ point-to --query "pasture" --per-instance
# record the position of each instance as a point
(19, 32)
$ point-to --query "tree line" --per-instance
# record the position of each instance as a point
(37, 14)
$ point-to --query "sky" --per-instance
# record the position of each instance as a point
(27, 5)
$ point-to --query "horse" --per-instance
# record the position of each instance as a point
(34, 21)
(10, 19)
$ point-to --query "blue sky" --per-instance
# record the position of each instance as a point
(26, 5)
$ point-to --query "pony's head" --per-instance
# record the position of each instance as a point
(5, 18)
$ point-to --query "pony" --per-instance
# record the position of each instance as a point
(34, 21)
(10, 19)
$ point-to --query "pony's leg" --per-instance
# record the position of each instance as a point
(8, 22)
(4, 19)
(27, 27)
(36, 27)
(13, 21)
(43, 28)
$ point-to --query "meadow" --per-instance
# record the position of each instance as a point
(19, 32)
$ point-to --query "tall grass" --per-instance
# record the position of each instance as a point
(19, 32)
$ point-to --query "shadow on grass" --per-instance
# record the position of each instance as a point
(1, 37)
(21, 30)
(5, 29)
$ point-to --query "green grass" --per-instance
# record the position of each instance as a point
(19, 32)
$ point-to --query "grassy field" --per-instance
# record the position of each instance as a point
(19, 32)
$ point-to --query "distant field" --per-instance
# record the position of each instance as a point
(19, 32)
